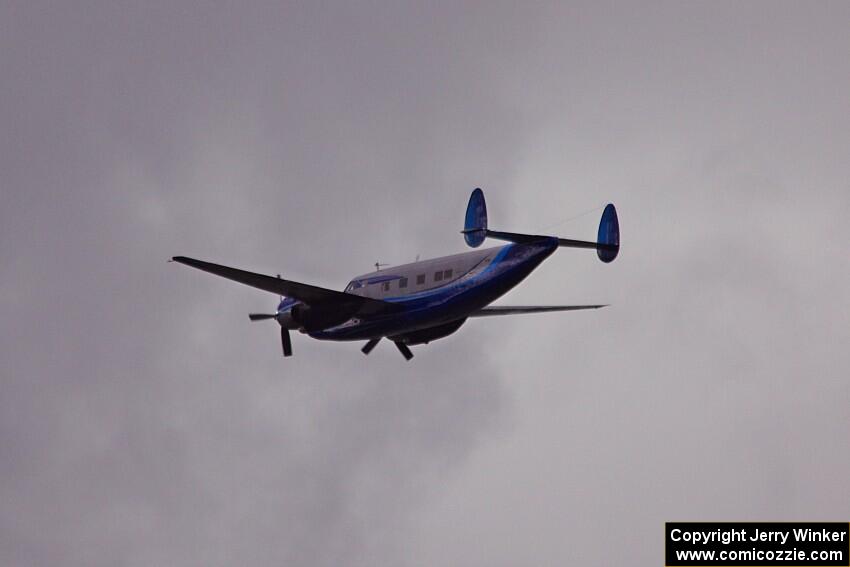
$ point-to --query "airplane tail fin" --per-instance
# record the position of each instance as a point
(475, 224)
(475, 230)
(609, 234)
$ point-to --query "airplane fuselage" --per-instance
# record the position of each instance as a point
(436, 295)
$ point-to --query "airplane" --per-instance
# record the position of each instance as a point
(423, 301)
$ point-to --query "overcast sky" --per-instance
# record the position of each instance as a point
(143, 419)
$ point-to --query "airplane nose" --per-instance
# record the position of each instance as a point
(285, 319)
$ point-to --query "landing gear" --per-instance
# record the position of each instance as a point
(367, 348)
(402, 348)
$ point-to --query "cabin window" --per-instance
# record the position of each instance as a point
(438, 276)
(420, 279)
(386, 286)
(447, 275)
(402, 282)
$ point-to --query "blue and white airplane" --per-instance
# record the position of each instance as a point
(420, 302)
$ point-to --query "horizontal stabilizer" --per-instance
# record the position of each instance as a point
(518, 309)
(563, 242)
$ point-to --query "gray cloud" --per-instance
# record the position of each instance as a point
(145, 421)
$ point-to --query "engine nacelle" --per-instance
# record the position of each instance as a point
(318, 317)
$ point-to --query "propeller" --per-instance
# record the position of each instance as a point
(285, 340)
(261, 316)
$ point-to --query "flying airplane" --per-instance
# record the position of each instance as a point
(426, 300)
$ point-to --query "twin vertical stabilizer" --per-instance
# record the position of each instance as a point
(475, 225)
(475, 230)
(609, 234)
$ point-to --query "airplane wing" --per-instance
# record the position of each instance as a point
(517, 310)
(304, 292)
